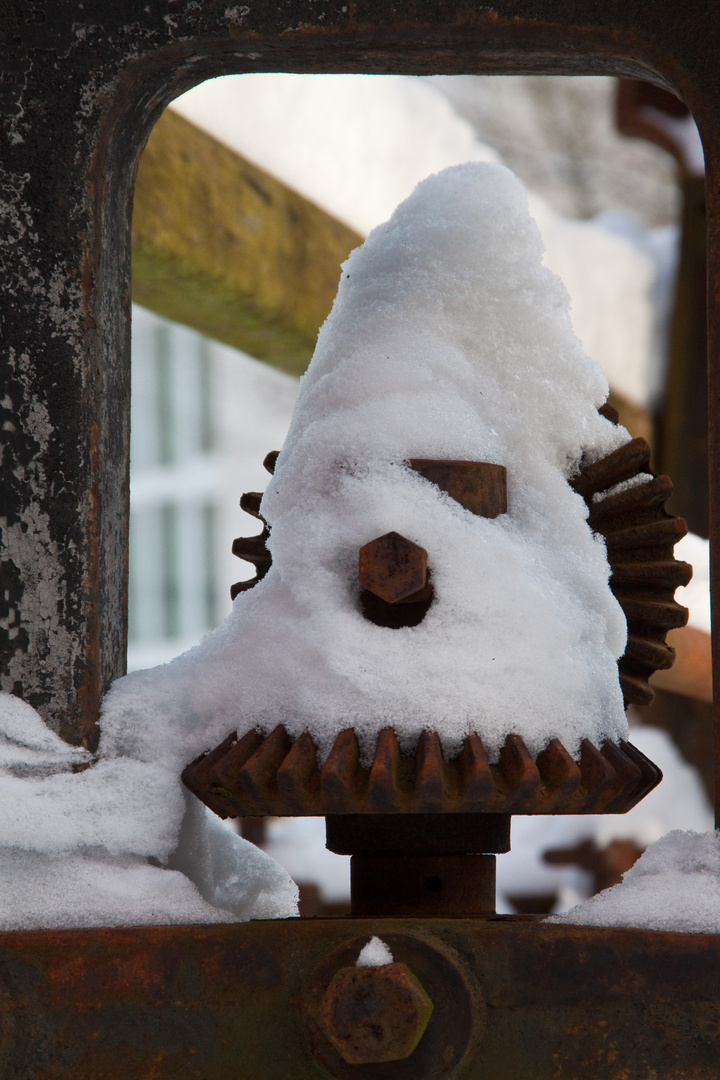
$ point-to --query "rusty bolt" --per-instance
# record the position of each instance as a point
(392, 567)
(375, 1014)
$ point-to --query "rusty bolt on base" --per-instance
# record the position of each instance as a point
(375, 1014)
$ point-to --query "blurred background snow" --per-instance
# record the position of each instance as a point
(204, 415)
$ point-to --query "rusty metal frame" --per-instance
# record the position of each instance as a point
(81, 85)
(237, 1002)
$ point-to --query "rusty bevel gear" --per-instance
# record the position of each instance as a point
(257, 775)
(626, 506)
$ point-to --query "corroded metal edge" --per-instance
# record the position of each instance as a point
(275, 775)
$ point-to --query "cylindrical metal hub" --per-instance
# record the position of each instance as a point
(422, 886)
(420, 865)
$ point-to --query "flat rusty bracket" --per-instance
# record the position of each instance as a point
(175, 1003)
(477, 485)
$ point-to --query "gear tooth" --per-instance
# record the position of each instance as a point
(242, 586)
(651, 775)
(250, 503)
(627, 461)
(520, 774)
(226, 767)
(560, 775)
(476, 778)
(629, 776)
(340, 777)
(636, 690)
(298, 778)
(270, 461)
(651, 495)
(384, 783)
(654, 654)
(665, 574)
(199, 778)
(662, 532)
(644, 613)
(430, 786)
(610, 413)
(258, 776)
(598, 776)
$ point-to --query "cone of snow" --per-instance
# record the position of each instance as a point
(448, 338)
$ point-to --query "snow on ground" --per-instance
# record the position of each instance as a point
(75, 845)
(675, 885)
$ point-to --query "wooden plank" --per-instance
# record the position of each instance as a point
(223, 247)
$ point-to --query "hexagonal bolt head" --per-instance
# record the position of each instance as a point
(375, 1014)
(392, 567)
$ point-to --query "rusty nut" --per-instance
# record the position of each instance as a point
(375, 1014)
(392, 567)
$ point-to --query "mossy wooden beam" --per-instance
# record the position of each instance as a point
(223, 247)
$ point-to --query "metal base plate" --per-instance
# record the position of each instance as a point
(175, 1003)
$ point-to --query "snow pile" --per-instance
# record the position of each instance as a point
(75, 845)
(375, 954)
(448, 339)
(675, 885)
